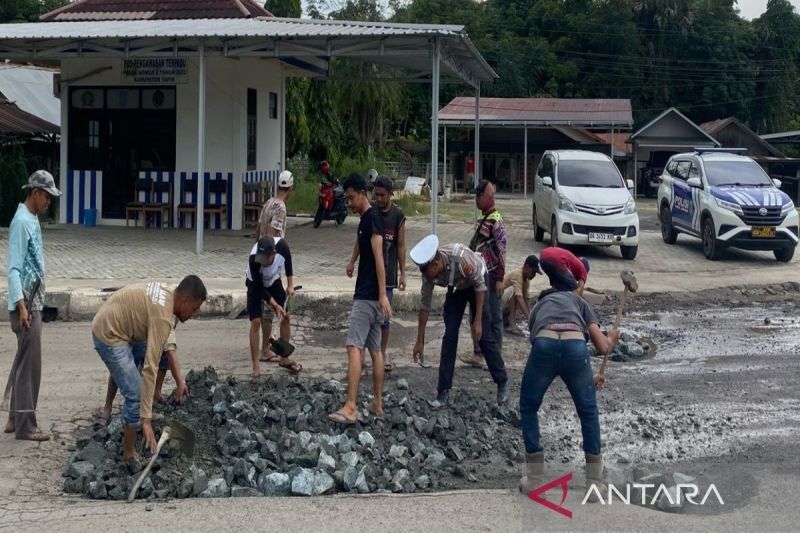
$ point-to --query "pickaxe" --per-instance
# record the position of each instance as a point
(631, 286)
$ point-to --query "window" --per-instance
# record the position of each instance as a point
(671, 168)
(94, 134)
(252, 128)
(546, 167)
(694, 172)
(682, 171)
(742, 173)
(600, 174)
(273, 105)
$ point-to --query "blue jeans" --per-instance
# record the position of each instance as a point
(123, 362)
(496, 307)
(568, 359)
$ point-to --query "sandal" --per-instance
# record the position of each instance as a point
(292, 366)
(341, 418)
(36, 437)
(387, 368)
(271, 358)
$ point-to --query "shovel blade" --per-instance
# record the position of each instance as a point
(281, 347)
(181, 438)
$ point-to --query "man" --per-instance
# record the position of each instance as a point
(394, 245)
(25, 304)
(370, 304)
(564, 259)
(272, 220)
(131, 328)
(516, 286)
(560, 325)
(267, 258)
(489, 240)
(169, 361)
(463, 273)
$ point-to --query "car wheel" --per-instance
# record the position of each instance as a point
(711, 246)
(538, 233)
(629, 252)
(668, 233)
(784, 255)
(554, 232)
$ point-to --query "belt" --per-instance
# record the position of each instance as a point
(560, 335)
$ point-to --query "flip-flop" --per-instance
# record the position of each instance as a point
(294, 367)
(388, 367)
(6, 430)
(340, 418)
(269, 359)
(36, 437)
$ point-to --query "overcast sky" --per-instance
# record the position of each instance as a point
(749, 9)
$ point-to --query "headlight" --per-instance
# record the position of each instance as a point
(736, 208)
(565, 204)
(787, 208)
(630, 207)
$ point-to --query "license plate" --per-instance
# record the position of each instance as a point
(763, 232)
(603, 238)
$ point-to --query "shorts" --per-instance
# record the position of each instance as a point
(256, 308)
(386, 322)
(123, 362)
(366, 318)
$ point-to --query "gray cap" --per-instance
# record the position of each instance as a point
(42, 179)
(425, 250)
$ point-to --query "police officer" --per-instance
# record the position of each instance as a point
(464, 274)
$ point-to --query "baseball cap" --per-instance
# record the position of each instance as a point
(481, 186)
(265, 248)
(533, 262)
(286, 179)
(384, 182)
(42, 179)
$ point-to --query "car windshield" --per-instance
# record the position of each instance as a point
(741, 173)
(604, 174)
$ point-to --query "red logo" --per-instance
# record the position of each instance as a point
(536, 494)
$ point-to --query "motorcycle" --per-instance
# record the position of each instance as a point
(332, 204)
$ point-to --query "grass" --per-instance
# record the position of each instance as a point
(304, 198)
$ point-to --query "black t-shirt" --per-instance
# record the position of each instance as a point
(367, 280)
(393, 220)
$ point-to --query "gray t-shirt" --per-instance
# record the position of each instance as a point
(562, 307)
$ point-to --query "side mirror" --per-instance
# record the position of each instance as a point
(547, 181)
(777, 182)
(629, 184)
(694, 183)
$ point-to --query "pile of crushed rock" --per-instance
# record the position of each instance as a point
(272, 437)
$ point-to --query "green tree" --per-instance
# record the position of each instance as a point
(27, 10)
(284, 8)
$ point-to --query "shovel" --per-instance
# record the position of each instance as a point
(281, 347)
(631, 286)
(182, 439)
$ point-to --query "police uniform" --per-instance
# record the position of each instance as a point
(464, 275)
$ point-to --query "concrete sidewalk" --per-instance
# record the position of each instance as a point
(85, 265)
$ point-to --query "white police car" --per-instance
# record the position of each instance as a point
(727, 200)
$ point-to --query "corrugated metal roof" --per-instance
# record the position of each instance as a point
(254, 27)
(31, 89)
(569, 111)
(14, 121)
(162, 9)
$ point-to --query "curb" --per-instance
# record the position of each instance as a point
(83, 304)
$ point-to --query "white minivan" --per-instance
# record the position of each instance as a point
(580, 197)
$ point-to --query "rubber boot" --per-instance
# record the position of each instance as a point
(594, 477)
(534, 469)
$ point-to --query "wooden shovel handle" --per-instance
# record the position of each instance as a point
(621, 305)
(163, 440)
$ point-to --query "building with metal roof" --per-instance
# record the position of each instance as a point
(514, 132)
(154, 10)
(171, 100)
(31, 89)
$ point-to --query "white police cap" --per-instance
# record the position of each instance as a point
(425, 250)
